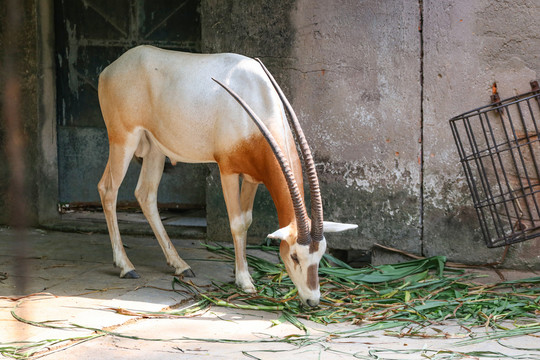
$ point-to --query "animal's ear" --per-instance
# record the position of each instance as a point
(331, 227)
(281, 234)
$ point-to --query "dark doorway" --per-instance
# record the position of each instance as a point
(90, 34)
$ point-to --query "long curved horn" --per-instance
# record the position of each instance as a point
(311, 171)
(304, 237)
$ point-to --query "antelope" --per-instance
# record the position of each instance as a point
(159, 103)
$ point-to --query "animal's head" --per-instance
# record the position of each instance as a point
(301, 256)
(302, 243)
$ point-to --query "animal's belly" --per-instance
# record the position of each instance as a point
(181, 146)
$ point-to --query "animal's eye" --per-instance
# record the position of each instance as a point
(294, 258)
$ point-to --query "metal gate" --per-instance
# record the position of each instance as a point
(90, 34)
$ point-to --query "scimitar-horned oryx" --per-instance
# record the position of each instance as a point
(159, 103)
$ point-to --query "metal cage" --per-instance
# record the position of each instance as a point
(499, 148)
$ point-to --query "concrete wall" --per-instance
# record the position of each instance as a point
(27, 70)
(468, 45)
(352, 72)
(256, 29)
(356, 89)
(374, 84)
(356, 109)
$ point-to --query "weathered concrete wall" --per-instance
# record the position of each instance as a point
(365, 93)
(369, 84)
(468, 45)
(356, 89)
(4, 170)
(257, 29)
(26, 60)
(351, 71)
(46, 142)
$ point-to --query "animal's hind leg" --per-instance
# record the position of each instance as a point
(146, 194)
(119, 157)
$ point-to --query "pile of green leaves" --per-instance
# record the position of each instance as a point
(418, 293)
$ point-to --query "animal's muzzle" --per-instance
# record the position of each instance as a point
(312, 302)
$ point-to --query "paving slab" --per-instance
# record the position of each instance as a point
(73, 287)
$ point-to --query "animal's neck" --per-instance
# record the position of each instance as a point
(255, 158)
(277, 187)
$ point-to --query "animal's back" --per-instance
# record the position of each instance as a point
(171, 95)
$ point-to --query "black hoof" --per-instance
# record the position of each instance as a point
(188, 273)
(131, 275)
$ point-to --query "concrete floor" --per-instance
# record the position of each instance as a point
(70, 282)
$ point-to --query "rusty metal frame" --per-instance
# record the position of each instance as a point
(499, 149)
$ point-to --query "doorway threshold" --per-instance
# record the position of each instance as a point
(185, 223)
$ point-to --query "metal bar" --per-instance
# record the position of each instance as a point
(495, 155)
(498, 154)
(521, 160)
(124, 205)
(469, 177)
(533, 158)
(164, 21)
(482, 174)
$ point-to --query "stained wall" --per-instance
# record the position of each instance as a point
(374, 84)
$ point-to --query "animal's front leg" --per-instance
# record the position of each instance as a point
(243, 279)
(239, 226)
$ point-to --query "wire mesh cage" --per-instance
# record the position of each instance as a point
(499, 148)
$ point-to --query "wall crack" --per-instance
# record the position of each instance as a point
(421, 140)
